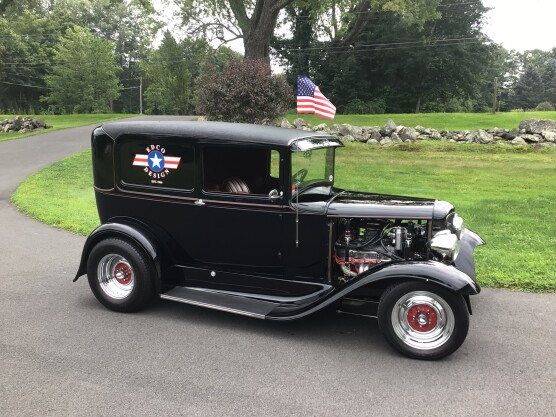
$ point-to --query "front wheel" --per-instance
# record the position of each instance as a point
(120, 275)
(423, 321)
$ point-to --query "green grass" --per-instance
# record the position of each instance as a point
(440, 121)
(62, 122)
(506, 194)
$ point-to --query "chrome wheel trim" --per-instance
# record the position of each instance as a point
(115, 276)
(440, 332)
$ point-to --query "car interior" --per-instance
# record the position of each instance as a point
(240, 170)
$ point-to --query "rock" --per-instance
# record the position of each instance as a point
(348, 138)
(399, 128)
(452, 141)
(532, 138)
(499, 132)
(420, 129)
(386, 142)
(549, 136)
(512, 134)
(7, 128)
(372, 142)
(436, 135)
(375, 134)
(40, 123)
(537, 126)
(285, 124)
(395, 138)
(346, 129)
(299, 123)
(548, 145)
(306, 129)
(320, 128)
(388, 128)
(519, 141)
(483, 137)
(409, 133)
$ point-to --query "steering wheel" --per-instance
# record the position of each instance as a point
(300, 175)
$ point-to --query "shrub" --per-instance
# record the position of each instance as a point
(357, 106)
(245, 91)
(545, 106)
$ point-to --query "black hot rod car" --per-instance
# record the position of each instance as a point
(246, 219)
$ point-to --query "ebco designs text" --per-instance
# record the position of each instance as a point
(157, 164)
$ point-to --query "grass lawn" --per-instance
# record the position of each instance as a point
(62, 122)
(440, 121)
(504, 193)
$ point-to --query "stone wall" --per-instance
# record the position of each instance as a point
(530, 132)
(22, 125)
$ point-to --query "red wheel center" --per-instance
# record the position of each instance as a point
(422, 318)
(123, 273)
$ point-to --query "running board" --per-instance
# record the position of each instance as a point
(212, 299)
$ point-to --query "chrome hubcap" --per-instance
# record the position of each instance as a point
(423, 320)
(115, 276)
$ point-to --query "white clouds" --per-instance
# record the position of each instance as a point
(522, 24)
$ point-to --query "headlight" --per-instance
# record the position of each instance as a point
(446, 244)
(455, 224)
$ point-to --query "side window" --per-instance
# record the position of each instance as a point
(156, 163)
(240, 169)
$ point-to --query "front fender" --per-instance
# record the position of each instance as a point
(131, 231)
(465, 261)
(447, 276)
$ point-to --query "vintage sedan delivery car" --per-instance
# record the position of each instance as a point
(246, 219)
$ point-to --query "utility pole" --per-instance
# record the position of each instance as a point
(140, 95)
(495, 97)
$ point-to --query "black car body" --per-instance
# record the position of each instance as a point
(246, 219)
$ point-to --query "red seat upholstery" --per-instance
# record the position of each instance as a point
(235, 185)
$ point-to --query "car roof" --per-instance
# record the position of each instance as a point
(213, 131)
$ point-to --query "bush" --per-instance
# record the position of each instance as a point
(244, 92)
(357, 106)
(545, 106)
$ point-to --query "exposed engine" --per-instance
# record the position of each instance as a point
(365, 243)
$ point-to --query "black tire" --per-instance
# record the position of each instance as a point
(121, 275)
(423, 320)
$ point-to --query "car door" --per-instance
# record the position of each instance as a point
(239, 229)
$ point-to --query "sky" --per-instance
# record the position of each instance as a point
(522, 24)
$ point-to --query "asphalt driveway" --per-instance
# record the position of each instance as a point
(63, 354)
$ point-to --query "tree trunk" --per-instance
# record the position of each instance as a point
(418, 107)
(261, 27)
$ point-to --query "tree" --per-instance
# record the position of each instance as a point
(172, 71)
(528, 91)
(84, 77)
(255, 21)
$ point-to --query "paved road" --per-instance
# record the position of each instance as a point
(63, 354)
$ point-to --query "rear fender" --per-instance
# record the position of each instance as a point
(136, 233)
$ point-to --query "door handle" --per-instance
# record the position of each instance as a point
(199, 203)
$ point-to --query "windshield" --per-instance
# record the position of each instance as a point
(313, 167)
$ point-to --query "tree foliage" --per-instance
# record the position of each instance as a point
(84, 77)
(245, 91)
(172, 71)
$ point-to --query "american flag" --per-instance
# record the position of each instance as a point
(311, 100)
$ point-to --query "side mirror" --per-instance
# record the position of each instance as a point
(274, 195)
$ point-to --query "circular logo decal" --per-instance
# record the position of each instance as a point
(156, 161)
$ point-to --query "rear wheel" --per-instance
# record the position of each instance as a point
(120, 275)
(422, 320)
